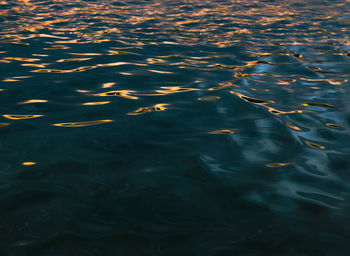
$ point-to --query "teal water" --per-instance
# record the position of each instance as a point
(174, 128)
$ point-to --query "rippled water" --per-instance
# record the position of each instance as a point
(175, 127)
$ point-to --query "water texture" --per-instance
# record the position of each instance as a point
(188, 127)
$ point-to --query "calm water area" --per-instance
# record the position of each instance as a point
(175, 127)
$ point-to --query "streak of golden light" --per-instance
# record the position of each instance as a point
(222, 86)
(82, 91)
(225, 131)
(333, 125)
(10, 80)
(108, 85)
(82, 124)
(85, 53)
(174, 89)
(22, 59)
(120, 93)
(28, 163)
(160, 72)
(15, 117)
(33, 101)
(209, 98)
(292, 126)
(252, 100)
(278, 164)
(73, 59)
(143, 110)
(95, 103)
(314, 145)
(33, 65)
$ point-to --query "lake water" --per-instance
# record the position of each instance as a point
(188, 127)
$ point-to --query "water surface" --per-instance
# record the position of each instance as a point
(174, 127)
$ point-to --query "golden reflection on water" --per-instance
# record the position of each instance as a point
(108, 85)
(294, 127)
(82, 124)
(82, 91)
(143, 110)
(40, 55)
(28, 163)
(252, 100)
(79, 69)
(74, 59)
(160, 72)
(22, 59)
(225, 131)
(278, 164)
(174, 89)
(95, 103)
(85, 53)
(223, 85)
(272, 110)
(209, 98)
(330, 81)
(10, 80)
(119, 64)
(33, 101)
(315, 104)
(119, 93)
(16, 117)
(113, 31)
(333, 125)
(279, 112)
(33, 65)
(314, 145)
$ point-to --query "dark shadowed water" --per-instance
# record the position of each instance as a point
(165, 127)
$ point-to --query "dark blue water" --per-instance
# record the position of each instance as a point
(175, 128)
